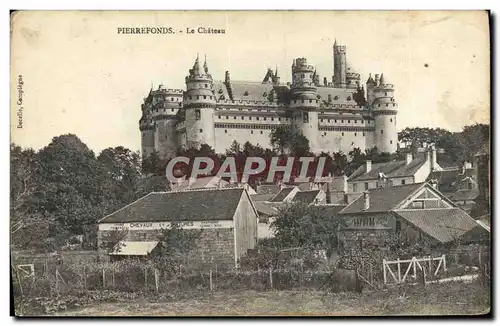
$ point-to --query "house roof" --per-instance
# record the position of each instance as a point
(262, 197)
(449, 179)
(389, 169)
(471, 194)
(330, 210)
(306, 196)
(383, 199)
(268, 189)
(282, 194)
(134, 248)
(443, 224)
(193, 205)
(265, 209)
(203, 182)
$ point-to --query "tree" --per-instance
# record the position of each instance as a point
(301, 225)
(281, 138)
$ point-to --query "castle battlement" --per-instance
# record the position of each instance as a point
(336, 115)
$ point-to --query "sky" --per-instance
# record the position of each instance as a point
(80, 76)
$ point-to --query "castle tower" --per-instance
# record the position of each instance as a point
(384, 110)
(166, 103)
(370, 86)
(199, 105)
(147, 127)
(304, 102)
(352, 77)
(339, 65)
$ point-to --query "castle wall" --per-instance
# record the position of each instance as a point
(147, 142)
(386, 135)
(200, 127)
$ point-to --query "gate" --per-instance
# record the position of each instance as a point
(403, 268)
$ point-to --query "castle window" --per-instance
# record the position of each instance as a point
(336, 98)
(348, 98)
(328, 120)
(302, 75)
(321, 120)
(180, 104)
(249, 118)
(261, 132)
(242, 118)
(310, 101)
(172, 99)
(335, 120)
(190, 97)
(197, 97)
(197, 114)
(265, 118)
(403, 181)
(172, 110)
(382, 131)
(342, 134)
(391, 142)
(348, 121)
(385, 93)
(204, 97)
(366, 185)
(251, 131)
(362, 121)
(303, 101)
(391, 119)
(363, 134)
(201, 130)
(234, 117)
(386, 104)
(225, 131)
(355, 134)
(342, 121)
(257, 118)
(240, 109)
(206, 85)
(227, 117)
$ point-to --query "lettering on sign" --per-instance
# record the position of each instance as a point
(165, 225)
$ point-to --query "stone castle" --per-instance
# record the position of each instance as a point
(334, 115)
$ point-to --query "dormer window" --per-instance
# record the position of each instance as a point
(246, 93)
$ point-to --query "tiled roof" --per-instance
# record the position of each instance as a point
(390, 169)
(262, 197)
(341, 93)
(383, 199)
(443, 224)
(306, 196)
(282, 194)
(195, 205)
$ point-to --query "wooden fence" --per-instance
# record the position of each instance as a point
(426, 267)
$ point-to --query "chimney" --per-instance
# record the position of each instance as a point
(467, 165)
(366, 197)
(368, 166)
(346, 199)
(433, 158)
(409, 158)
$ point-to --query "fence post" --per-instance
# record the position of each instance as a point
(103, 278)
(479, 258)
(430, 265)
(211, 283)
(444, 262)
(399, 271)
(146, 278)
(385, 273)
(113, 276)
(156, 279)
(271, 276)
(57, 282)
(371, 272)
(414, 267)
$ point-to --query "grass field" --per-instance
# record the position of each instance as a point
(437, 299)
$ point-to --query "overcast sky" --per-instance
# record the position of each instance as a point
(80, 76)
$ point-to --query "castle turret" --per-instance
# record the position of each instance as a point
(352, 77)
(147, 128)
(370, 86)
(304, 102)
(339, 65)
(384, 110)
(199, 105)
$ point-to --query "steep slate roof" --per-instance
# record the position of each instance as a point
(443, 224)
(196, 205)
(342, 94)
(390, 169)
(383, 199)
(306, 196)
(282, 194)
(262, 197)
